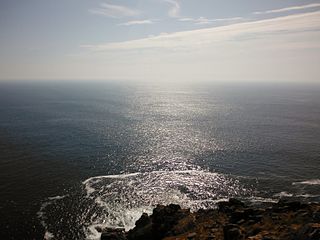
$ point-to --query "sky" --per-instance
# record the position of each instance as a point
(160, 40)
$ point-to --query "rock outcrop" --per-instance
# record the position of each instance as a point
(232, 220)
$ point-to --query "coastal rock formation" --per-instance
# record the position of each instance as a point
(232, 220)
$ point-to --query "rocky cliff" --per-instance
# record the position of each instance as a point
(231, 220)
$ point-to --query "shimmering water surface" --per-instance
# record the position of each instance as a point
(76, 157)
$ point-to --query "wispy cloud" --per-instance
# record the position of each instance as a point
(278, 48)
(204, 21)
(201, 37)
(114, 11)
(174, 10)
(138, 22)
(287, 9)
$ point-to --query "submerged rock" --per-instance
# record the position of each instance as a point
(233, 220)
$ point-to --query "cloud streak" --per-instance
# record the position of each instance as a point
(114, 11)
(204, 21)
(282, 48)
(287, 9)
(200, 38)
(137, 22)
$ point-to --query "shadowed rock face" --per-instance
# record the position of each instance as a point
(232, 220)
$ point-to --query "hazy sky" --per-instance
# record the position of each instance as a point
(157, 40)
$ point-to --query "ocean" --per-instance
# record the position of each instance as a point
(79, 156)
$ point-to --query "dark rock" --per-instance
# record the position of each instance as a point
(231, 221)
(143, 233)
(211, 237)
(248, 211)
(315, 235)
(310, 231)
(160, 224)
(191, 236)
(267, 238)
(251, 222)
(236, 202)
(161, 212)
(113, 234)
(238, 215)
(143, 221)
(228, 226)
(286, 205)
(232, 232)
(304, 214)
(256, 218)
(254, 232)
(231, 205)
(164, 218)
(316, 216)
(241, 222)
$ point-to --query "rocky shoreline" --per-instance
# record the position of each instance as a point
(231, 220)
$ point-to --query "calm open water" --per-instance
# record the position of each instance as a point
(77, 156)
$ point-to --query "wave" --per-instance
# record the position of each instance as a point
(57, 197)
(121, 199)
(118, 201)
(42, 214)
(308, 195)
(308, 182)
(283, 194)
(262, 200)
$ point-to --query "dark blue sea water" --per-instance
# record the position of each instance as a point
(76, 156)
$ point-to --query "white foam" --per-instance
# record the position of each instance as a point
(128, 175)
(118, 201)
(308, 182)
(89, 189)
(111, 176)
(121, 199)
(307, 195)
(42, 217)
(283, 194)
(92, 232)
(57, 197)
(48, 236)
(262, 200)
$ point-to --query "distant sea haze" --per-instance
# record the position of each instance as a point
(76, 157)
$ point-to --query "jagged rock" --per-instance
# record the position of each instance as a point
(232, 232)
(164, 218)
(113, 234)
(159, 224)
(310, 231)
(143, 220)
(236, 202)
(230, 205)
(254, 231)
(316, 216)
(238, 215)
(256, 218)
(286, 205)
